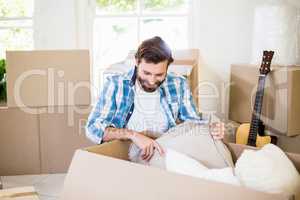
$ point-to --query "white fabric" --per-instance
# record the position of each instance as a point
(148, 114)
(183, 164)
(268, 170)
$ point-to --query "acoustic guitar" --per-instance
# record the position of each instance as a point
(253, 134)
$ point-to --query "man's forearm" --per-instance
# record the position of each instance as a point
(111, 133)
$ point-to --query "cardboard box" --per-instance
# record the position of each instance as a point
(41, 134)
(61, 133)
(281, 108)
(19, 142)
(289, 144)
(19, 193)
(104, 172)
(48, 78)
(41, 143)
(189, 58)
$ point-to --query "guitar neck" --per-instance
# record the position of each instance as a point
(257, 110)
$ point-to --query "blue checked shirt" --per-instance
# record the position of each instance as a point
(116, 103)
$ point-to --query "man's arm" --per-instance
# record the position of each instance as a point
(103, 112)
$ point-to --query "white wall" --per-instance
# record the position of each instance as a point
(223, 33)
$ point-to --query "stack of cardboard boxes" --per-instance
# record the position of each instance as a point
(48, 104)
(47, 107)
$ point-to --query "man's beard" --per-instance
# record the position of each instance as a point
(146, 86)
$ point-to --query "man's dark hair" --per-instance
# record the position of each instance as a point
(154, 50)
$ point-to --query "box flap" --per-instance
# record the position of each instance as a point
(92, 176)
(116, 149)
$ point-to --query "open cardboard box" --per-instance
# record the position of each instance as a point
(104, 172)
(186, 62)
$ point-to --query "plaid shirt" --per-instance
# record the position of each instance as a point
(116, 103)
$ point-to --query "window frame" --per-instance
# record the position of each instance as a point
(3, 19)
(139, 15)
(22, 18)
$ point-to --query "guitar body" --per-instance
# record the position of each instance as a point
(242, 136)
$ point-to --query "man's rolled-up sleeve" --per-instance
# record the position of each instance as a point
(102, 113)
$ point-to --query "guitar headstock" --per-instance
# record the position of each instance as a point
(265, 67)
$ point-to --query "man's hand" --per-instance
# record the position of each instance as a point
(146, 144)
(217, 130)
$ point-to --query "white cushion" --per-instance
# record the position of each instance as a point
(268, 170)
(183, 164)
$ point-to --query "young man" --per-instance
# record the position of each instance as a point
(145, 101)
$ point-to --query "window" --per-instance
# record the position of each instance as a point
(120, 25)
(16, 25)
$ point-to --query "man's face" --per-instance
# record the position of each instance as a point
(150, 75)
